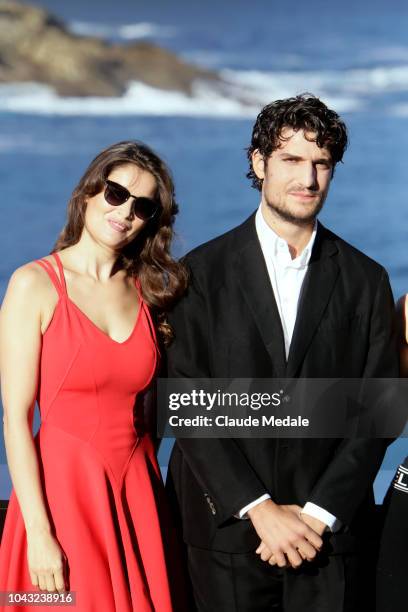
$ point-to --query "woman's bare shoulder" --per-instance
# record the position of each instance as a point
(29, 280)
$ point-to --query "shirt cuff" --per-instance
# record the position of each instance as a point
(332, 522)
(242, 514)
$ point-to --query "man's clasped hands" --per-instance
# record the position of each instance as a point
(288, 536)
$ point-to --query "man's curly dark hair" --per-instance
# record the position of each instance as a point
(303, 112)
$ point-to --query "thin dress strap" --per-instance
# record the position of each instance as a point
(52, 274)
(61, 272)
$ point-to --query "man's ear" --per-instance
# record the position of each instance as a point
(258, 164)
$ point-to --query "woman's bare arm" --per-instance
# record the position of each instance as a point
(21, 319)
(20, 345)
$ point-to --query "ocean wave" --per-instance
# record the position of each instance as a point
(131, 31)
(229, 101)
(239, 94)
(140, 99)
(355, 82)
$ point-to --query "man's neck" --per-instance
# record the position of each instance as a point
(295, 235)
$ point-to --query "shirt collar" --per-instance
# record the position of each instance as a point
(274, 245)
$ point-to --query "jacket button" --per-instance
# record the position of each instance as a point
(210, 503)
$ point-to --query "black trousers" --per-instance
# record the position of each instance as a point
(242, 582)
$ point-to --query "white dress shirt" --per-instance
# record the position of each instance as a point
(287, 276)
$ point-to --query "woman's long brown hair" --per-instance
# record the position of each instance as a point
(163, 279)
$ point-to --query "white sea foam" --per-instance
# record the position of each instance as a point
(381, 79)
(131, 31)
(241, 94)
(140, 99)
(230, 101)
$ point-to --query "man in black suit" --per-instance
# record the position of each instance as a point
(281, 524)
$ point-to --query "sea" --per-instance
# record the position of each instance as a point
(354, 55)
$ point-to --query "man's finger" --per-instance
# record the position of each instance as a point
(280, 559)
(260, 548)
(265, 554)
(314, 539)
(306, 550)
(294, 557)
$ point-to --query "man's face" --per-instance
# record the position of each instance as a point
(296, 177)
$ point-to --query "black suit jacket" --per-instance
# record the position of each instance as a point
(228, 325)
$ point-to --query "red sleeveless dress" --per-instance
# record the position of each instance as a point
(100, 477)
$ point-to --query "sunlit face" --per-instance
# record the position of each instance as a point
(296, 177)
(116, 226)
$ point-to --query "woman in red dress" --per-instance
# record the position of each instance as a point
(87, 514)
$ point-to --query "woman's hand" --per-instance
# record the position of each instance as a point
(46, 562)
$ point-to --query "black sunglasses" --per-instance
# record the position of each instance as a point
(144, 208)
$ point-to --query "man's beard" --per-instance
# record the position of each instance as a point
(286, 215)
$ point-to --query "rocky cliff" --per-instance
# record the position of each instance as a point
(36, 46)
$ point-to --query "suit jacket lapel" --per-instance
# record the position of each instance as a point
(317, 288)
(254, 281)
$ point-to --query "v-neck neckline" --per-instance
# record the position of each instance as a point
(80, 311)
